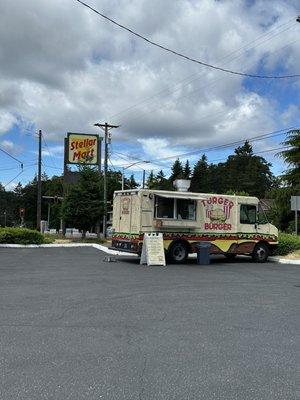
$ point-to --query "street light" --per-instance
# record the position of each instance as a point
(131, 165)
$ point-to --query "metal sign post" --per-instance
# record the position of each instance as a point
(295, 205)
(296, 217)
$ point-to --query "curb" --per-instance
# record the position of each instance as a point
(113, 252)
(284, 260)
(55, 245)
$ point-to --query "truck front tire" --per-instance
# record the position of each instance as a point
(178, 252)
(260, 253)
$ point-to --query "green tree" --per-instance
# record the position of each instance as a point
(200, 177)
(151, 181)
(246, 172)
(187, 170)
(280, 213)
(83, 205)
(176, 171)
(292, 157)
(130, 183)
(162, 183)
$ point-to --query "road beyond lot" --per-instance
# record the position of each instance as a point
(75, 327)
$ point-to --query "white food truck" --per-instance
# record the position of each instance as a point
(232, 224)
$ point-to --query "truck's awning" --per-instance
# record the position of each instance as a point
(181, 195)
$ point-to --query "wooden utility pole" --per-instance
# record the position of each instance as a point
(106, 127)
(39, 184)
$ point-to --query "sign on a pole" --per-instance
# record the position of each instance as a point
(82, 149)
(153, 252)
(295, 203)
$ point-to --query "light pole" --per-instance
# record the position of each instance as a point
(131, 165)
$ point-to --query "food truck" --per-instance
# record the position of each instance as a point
(232, 224)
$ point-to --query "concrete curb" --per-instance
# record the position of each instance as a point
(55, 245)
(284, 260)
(114, 252)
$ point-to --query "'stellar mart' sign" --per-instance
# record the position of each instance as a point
(82, 148)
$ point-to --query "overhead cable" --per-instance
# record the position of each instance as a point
(184, 56)
(222, 146)
(14, 158)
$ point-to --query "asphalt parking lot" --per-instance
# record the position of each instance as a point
(75, 327)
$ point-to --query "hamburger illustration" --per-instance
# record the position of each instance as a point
(217, 215)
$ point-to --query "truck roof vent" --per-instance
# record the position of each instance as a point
(182, 185)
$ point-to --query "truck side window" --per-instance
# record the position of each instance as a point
(248, 214)
(186, 209)
(164, 208)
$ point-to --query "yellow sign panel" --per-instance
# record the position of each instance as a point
(83, 149)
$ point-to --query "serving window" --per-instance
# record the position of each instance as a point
(172, 208)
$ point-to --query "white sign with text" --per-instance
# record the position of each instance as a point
(153, 252)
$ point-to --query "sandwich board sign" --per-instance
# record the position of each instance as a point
(153, 252)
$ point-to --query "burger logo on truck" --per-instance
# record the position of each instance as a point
(125, 205)
(218, 211)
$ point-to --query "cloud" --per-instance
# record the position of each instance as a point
(7, 120)
(63, 69)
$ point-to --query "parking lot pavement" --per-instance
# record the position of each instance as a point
(75, 327)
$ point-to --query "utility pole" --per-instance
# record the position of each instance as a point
(144, 176)
(106, 127)
(39, 184)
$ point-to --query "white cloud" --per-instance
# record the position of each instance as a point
(63, 69)
(7, 120)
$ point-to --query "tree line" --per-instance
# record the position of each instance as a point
(243, 172)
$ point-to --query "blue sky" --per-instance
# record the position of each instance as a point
(60, 76)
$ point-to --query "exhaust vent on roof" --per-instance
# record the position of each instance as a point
(182, 185)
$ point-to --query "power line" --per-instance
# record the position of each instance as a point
(254, 154)
(21, 172)
(13, 168)
(222, 146)
(50, 155)
(184, 56)
(14, 158)
(190, 94)
(146, 100)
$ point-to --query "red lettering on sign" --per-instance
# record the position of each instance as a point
(216, 226)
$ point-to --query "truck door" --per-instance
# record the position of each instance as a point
(247, 227)
(125, 213)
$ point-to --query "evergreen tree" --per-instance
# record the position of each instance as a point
(292, 158)
(151, 181)
(200, 177)
(187, 170)
(131, 183)
(245, 172)
(83, 205)
(162, 183)
(176, 171)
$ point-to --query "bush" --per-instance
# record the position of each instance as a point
(287, 244)
(20, 236)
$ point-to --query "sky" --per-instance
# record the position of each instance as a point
(64, 68)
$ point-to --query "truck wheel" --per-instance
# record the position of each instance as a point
(178, 252)
(260, 253)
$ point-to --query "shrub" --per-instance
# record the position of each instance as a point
(20, 236)
(287, 244)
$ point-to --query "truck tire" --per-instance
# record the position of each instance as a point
(260, 253)
(178, 252)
